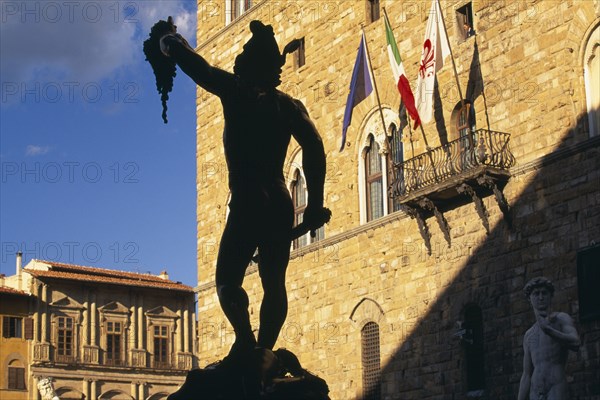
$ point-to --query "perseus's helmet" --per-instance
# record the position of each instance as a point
(260, 62)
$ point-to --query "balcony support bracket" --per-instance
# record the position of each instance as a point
(479, 206)
(427, 204)
(487, 181)
(423, 229)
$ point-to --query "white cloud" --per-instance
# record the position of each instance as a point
(34, 150)
(81, 41)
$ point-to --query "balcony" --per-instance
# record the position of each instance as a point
(65, 359)
(466, 169)
(41, 352)
(158, 364)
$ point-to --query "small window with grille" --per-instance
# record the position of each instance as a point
(373, 12)
(299, 55)
(371, 361)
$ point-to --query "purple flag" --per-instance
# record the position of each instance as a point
(360, 86)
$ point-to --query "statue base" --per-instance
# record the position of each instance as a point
(262, 375)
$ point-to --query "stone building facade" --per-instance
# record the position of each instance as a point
(105, 334)
(415, 290)
(15, 339)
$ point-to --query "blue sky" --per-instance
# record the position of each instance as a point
(89, 172)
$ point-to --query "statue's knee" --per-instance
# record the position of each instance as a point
(233, 295)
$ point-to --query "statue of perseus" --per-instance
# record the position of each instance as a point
(260, 121)
(546, 345)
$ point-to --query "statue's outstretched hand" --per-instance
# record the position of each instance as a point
(313, 219)
(171, 39)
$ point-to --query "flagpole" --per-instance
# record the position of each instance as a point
(420, 123)
(374, 81)
(462, 99)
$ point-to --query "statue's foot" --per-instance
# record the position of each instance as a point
(238, 358)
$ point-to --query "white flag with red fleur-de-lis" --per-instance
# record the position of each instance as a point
(435, 50)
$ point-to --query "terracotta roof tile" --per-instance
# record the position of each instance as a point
(102, 275)
(8, 290)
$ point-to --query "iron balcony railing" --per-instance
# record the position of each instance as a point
(477, 150)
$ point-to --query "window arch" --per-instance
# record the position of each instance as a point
(394, 157)
(299, 199)
(377, 147)
(374, 180)
(463, 119)
(16, 375)
(235, 9)
(371, 361)
(591, 68)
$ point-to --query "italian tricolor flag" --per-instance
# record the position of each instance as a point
(399, 74)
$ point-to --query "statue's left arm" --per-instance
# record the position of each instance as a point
(313, 160)
(567, 334)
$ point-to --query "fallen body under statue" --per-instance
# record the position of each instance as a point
(264, 375)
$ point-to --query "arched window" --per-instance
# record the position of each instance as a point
(377, 152)
(16, 375)
(395, 157)
(374, 180)
(463, 121)
(473, 345)
(299, 199)
(235, 8)
(371, 361)
(591, 69)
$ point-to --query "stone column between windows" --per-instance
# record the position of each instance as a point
(133, 390)
(45, 313)
(93, 390)
(38, 315)
(94, 321)
(86, 388)
(186, 328)
(194, 336)
(140, 322)
(133, 326)
(179, 336)
(141, 394)
(86, 321)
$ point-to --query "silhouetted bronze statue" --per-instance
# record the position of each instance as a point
(546, 345)
(259, 123)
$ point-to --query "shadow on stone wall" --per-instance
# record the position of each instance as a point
(556, 215)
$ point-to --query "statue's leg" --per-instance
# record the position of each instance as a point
(235, 251)
(558, 392)
(274, 258)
